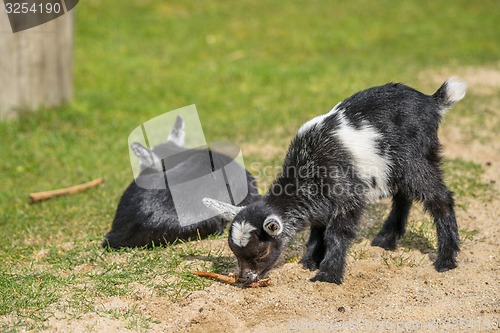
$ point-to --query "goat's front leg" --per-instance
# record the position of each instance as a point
(337, 237)
(315, 249)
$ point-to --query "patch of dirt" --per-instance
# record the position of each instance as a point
(265, 150)
(383, 291)
(484, 81)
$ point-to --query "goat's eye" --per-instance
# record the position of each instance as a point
(263, 255)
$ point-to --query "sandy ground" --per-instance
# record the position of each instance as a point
(383, 291)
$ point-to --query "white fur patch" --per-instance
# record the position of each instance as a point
(316, 121)
(273, 225)
(455, 89)
(241, 233)
(370, 165)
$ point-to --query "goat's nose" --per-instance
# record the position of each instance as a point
(247, 277)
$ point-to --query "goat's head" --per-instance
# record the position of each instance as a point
(255, 237)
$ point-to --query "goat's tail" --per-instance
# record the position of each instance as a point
(452, 91)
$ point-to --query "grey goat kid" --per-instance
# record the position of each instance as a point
(379, 142)
(148, 217)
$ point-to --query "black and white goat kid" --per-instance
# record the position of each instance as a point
(379, 142)
(147, 216)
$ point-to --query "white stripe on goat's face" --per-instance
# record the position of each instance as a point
(316, 121)
(369, 164)
(241, 233)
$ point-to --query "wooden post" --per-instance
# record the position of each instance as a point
(35, 65)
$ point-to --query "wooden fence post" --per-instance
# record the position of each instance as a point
(35, 65)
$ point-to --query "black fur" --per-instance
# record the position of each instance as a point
(147, 217)
(320, 186)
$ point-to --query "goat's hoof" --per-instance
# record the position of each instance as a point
(308, 263)
(326, 277)
(443, 265)
(385, 241)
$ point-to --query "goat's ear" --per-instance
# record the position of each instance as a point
(147, 157)
(273, 225)
(177, 134)
(225, 210)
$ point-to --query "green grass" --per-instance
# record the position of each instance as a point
(400, 259)
(81, 273)
(464, 179)
(256, 71)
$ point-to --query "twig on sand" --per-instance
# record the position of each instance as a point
(39, 196)
(231, 280)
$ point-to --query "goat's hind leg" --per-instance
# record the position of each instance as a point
(394, 226)
(441, 206)
(315, 249)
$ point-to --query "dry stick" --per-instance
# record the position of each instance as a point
(39, 196)
(230, 280)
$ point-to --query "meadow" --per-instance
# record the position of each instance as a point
(256, 71)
